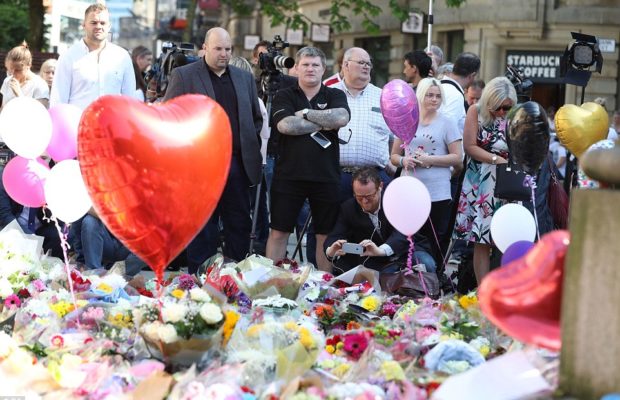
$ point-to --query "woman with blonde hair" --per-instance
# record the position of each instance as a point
(48, 69)
(484, 141)
(20, 80)
(435, 148)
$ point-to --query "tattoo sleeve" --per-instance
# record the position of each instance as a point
(297, 126)
(334, 118)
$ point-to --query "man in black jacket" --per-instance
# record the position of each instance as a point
(362, 220)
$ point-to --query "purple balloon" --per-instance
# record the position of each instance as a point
(23, 180)
(400, 110)
(516, 251)
(65, 121)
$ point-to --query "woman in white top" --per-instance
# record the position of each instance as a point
(20, 80)
(435, 148)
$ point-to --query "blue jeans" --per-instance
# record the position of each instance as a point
(101, 249)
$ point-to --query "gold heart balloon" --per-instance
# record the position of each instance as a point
(580, 127)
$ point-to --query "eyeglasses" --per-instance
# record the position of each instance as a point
(362, 197)
(363, 63)
(503, 108)
(342, 141)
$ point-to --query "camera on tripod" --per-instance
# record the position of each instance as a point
(522, 85)
(273, 59)
(172, 56)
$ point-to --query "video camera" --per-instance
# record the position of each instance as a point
(273, 59)
(172, 56)
(522, 85)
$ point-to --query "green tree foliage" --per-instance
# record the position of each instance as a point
(13, 25)
(286, 12)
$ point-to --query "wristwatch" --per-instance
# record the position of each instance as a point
(304, 113)
(494, 160)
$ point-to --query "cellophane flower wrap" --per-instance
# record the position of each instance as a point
(187, 323)
(258, 277)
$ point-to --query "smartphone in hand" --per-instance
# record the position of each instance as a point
(353, 248)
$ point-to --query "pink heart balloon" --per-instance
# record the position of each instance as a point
(400, 109)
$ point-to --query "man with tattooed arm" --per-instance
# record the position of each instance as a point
(307, 116)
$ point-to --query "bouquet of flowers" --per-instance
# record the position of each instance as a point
(189, 324)
(258, 277)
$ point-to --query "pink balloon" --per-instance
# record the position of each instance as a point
(407, 204)
(400, 110)
(65, 121)
(23, 180)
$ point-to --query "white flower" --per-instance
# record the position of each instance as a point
(7, 345)
(200, 295)
(5, 288)
(173, 312)
(151, 330)
(167, 333)
(137, 315)
(211, 313)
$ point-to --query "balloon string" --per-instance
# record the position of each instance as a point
(530, 181)
(64, 244)
(410, 257)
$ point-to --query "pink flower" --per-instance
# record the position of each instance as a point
(93, 313)
(57, 341)
(355, 344)
(38, 285)
(12, 301)
(423, 333)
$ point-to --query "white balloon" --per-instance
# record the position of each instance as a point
(512, 223)
(26, 127)
(65, 192)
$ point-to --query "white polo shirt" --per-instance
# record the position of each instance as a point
(82, 75)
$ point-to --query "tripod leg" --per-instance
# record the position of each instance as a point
(255, 215)
(301, 235)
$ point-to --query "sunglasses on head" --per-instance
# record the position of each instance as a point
(504, 108)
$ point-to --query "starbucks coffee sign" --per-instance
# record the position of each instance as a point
(539, 66)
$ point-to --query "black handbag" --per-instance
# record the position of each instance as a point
(509, 179)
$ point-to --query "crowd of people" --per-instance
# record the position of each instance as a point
(325, 153)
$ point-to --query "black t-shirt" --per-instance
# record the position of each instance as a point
(300, 157)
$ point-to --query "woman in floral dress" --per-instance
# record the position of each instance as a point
(484, 141)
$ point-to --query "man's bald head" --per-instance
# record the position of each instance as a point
(218, 49)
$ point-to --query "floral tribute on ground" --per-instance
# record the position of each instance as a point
(250, 330)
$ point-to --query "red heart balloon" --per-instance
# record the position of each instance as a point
(155, 173)
(524, 297)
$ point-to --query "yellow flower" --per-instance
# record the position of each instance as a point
(306, 338)
(371, 303)
(229, 325)
(291, 326)
(105, 288)
(468, 300)
(392, 371)
(341, 370)
(330, 349)
(254, 330)
(484, 350)
(62, 308)
(339, 345)
(178, 293)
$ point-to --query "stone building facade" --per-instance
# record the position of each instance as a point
(531, 33)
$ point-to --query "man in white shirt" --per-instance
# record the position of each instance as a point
(93, 67)
(465, 69)
(365, 139)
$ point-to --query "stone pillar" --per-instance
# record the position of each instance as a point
(590, 359)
